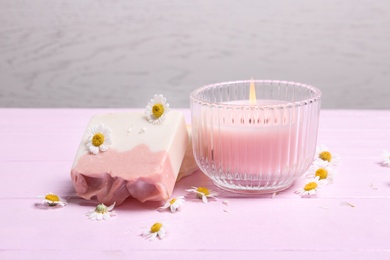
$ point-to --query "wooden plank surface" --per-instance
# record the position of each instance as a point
(38, 147)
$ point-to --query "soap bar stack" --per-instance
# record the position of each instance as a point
(123, 155)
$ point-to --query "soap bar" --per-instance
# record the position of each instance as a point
(139, 159)
(189, 165)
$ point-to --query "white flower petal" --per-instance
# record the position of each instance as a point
(157, 98)
(99, 216)
(167, 205)
(174, 208)
(92, 131)
(162, 117)
(62, 203)
(106, 216)
(161, 234)
(92, 215)
(152, 236)
(100, 128)
(385, 158)
(162, 230)
(103, 147)
(93, 149)
(111, 207)
(146, 233)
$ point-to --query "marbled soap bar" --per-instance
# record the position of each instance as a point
(189, 165)
(142, 161)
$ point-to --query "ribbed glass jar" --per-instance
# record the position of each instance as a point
(255, 146)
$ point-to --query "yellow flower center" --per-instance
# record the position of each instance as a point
(98, 139)
(203, 190)
(158, 110)
(156, 227)
(101, 208)
(322, 173)
(326, 156)
(172, 201)
(52, 197)
(310, 186)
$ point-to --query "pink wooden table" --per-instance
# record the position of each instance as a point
(37, 151)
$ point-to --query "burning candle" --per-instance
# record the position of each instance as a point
(254, 145)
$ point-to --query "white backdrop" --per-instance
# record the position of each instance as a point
(85, 53)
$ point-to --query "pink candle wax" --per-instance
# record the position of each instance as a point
(257, 147)
(252, 150)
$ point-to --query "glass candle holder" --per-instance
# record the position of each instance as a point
(255, 141)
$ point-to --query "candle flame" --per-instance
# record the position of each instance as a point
(252, 93)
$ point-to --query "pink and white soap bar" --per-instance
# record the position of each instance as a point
(142, 161)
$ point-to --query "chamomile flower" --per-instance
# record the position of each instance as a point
(157, 109)
(173, 204)
(101, 212)
(322, 170)
(99, 139)
(386, 158)
(156, 230)
(323, 154)
(202, 193)
(52, 199)
(311, 187)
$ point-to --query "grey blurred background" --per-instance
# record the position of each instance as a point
(118, 53)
